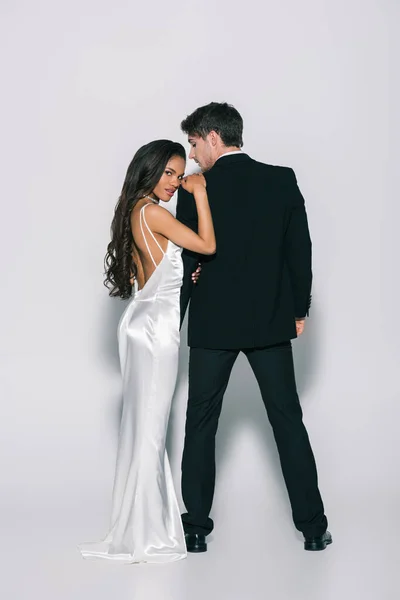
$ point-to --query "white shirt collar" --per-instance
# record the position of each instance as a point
(229, 153)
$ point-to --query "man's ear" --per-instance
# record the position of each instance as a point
(214, 137)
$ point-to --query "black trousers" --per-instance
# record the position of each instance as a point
(209, 372)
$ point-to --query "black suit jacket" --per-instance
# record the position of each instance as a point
(250, 292)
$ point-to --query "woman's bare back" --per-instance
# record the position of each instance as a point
(141, 257)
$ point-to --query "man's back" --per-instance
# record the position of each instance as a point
(247, 299)
(250, 292)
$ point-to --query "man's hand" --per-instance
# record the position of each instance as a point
(196, 274)
(300, 326)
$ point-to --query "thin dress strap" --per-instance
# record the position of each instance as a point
(143, 218)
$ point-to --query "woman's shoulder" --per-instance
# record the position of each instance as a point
(155, 213)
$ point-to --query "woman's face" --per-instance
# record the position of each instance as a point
(170, 179)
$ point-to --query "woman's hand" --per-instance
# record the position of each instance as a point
(196, 274)
(191, 182)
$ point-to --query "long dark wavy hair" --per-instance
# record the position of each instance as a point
(143, 175)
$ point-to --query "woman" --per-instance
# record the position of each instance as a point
(144, 261)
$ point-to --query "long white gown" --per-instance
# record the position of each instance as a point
(146, 523)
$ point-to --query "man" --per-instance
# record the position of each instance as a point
(252, 297)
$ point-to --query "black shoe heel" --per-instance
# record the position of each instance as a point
(316, 544)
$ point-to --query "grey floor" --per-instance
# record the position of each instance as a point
(254, 552)
(261, 558)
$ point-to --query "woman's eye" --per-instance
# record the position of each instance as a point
(168, 172)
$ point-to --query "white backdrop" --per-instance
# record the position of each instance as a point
(85, 84)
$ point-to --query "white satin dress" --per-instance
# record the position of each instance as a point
(146, 523)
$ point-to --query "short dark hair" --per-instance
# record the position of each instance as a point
(222, 118)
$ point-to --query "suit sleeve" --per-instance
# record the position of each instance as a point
(186, 213)
(298, 247)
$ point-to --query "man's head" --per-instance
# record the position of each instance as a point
(213, 130)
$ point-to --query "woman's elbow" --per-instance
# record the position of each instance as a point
(211, 249)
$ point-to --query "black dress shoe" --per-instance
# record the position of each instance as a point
(195, 542)
(319, 542)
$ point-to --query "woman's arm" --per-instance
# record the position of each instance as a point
(161, 221)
